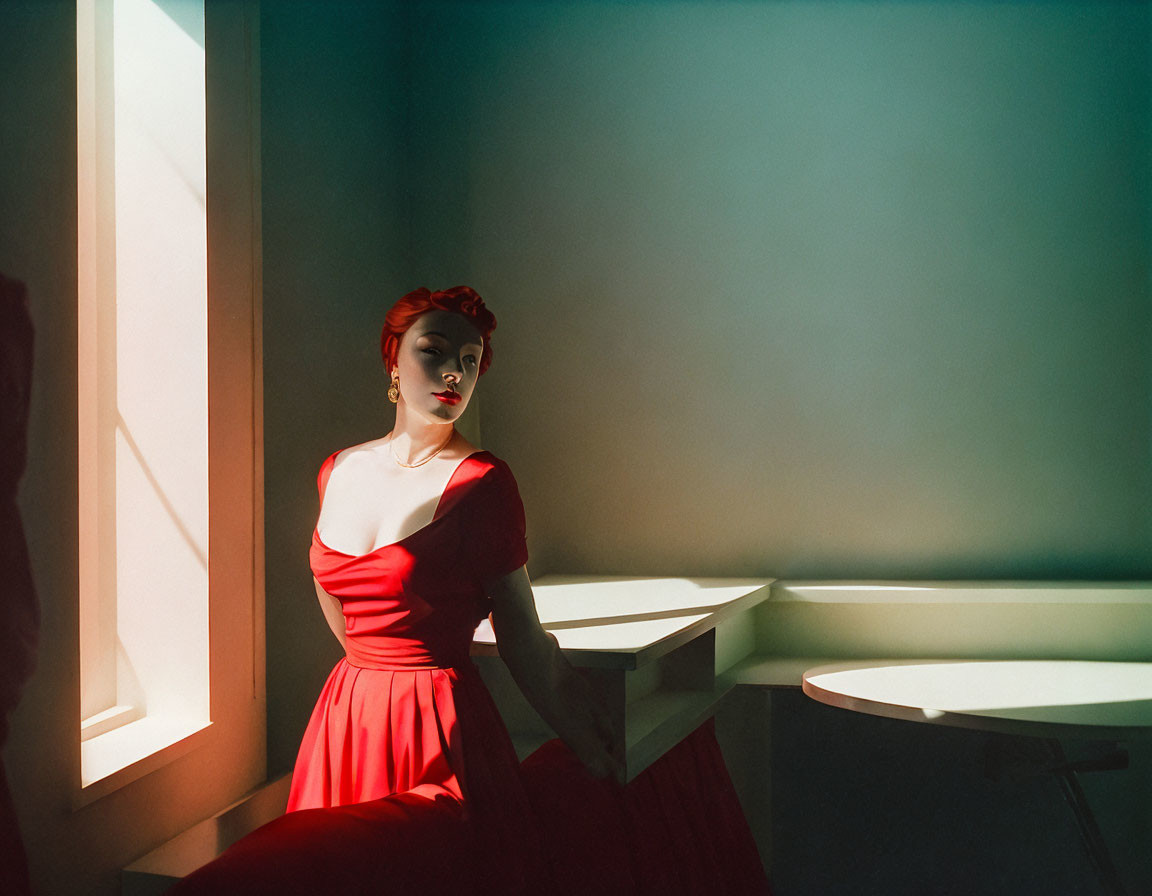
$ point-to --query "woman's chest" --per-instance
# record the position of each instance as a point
(364, 509)
(429, 567)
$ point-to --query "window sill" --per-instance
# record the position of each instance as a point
(108, 720)
(118, 757)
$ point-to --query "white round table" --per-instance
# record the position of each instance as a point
(1043, 698)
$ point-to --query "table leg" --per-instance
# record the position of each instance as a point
(1090, 836)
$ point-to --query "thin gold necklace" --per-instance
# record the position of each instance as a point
(418, 463)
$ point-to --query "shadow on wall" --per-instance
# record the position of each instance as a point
(19, 611)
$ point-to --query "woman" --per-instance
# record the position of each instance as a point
(420, 536)
(406, 780)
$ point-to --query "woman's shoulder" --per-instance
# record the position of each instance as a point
(484, 482)
(486, 465)
(360, 451)
(348, 459)
(489, 491)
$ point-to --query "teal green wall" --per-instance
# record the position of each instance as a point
(796, 289)
(805, 289)
(38, 247)
(333, 251)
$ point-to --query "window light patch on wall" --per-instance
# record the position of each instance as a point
(143, 418)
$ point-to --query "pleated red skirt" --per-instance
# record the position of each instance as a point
(676, 829)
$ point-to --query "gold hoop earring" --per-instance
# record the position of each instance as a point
(394, 389)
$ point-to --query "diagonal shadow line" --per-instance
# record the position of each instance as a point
(157, 143)
(175, 168)
(188, 28)
(631, 617)
(163, 498)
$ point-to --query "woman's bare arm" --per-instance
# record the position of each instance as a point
(558, 692)
(333, 612)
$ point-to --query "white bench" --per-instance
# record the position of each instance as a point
(664, 652)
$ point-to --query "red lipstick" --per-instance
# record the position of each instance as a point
(448, 396)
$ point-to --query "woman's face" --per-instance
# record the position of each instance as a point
(439, 361)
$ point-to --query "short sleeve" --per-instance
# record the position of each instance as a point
(497, 533)
(325, 472)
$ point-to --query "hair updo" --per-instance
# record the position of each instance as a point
(459, 300)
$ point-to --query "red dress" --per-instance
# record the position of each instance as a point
(407, 781)
(406, 711)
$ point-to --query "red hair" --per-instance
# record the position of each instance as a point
(459, 300)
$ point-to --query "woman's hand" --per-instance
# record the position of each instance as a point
(564, 698)
(595, 740)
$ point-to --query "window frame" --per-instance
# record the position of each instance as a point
(236, 735)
